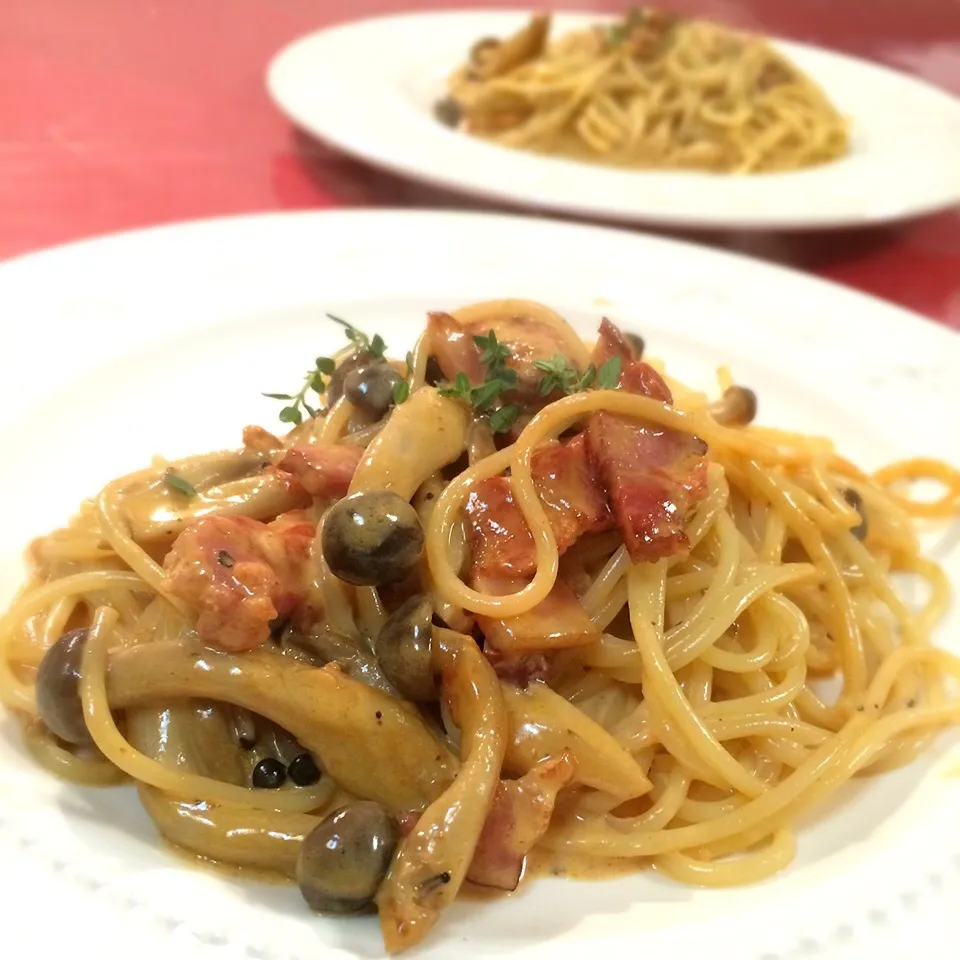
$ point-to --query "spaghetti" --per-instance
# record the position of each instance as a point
(519, 597)
(651, 91)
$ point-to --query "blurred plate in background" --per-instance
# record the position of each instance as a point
(368, 88)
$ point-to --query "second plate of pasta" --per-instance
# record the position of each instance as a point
(646, 117)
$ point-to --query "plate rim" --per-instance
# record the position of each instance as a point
(92, 244)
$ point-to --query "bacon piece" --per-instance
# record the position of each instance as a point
(499, 537)
(323, 469)
(640, 377)
(528, 338)
(612, 343)
(261, 442)
(454, 348)
(518, 671)
(653, 475)
(566, 486)
(556, 623)
(240, 574)
(517, 820)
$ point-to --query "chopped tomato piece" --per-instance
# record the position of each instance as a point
(240, 574)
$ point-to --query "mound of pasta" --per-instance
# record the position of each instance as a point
(653, 90)
(518, 601)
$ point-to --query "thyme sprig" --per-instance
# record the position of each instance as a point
(558, 374)
(402, 390)
(374, 345)
(313, 380)
(485, 398)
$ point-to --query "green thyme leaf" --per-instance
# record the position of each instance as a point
(401, 391)
(586, 381)
(291, 414)
(377, 346)
(498, 379)
(459, 389)
(481, 397)
(492, 353)
(558, 374)
(501, 420)
(279, 396)
(609, 374)
(174, 481)
(326, 366)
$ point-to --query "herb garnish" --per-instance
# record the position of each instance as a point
(324, 367)
(313, 380)
(402, 390)
(608, 376)
(499, 378)
(364, 344)
(174, 481)
(558, 374)
(502, 420)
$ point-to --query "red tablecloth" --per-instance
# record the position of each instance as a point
(123, 113)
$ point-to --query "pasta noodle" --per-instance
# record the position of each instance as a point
(652, 91)
(521, 597)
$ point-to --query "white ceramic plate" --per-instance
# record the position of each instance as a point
(161, 342)
(368, 88)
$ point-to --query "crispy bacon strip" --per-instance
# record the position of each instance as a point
(528, 331)
(640, 377)
(612, 343)
(556, 623)
(261, 442)
(621, 471)
(653, 475)
(324, 470)
(519, 671)
(240, 574)
(575, 504)
(454, 348)
(518, 818)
